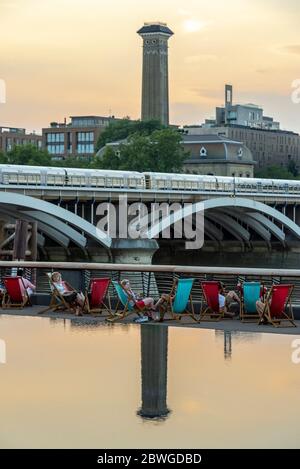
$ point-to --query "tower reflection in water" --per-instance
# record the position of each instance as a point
(154, 364)
(238, 336)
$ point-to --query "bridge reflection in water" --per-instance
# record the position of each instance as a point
(154, 370)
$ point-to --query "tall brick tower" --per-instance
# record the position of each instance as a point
(155, 86)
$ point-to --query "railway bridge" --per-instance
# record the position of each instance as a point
(68, 220)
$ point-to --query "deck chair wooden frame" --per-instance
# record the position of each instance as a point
(57, 300)
(7, 301)
(128, 302)
(170, 306)
(285, 316)
(102, 306)
(208, 312)
(246, 315)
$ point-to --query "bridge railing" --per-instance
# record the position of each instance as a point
(150, 280)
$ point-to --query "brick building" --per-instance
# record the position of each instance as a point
(12, 136)
(77, 138)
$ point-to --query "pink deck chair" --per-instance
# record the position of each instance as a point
(210, 290)
(97, 297)
(16, 295)
(278, 305)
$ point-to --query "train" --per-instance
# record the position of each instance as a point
(38, 176)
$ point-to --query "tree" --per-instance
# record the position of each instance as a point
(274, 172)
(3, 158)
(161, 151)
(28, 155)
(121, 129)
(292, 167)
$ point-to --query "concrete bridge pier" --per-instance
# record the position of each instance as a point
(137, 251)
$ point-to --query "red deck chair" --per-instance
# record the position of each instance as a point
(210, 290)
(16, 295)
(96, 296)
(278, 305)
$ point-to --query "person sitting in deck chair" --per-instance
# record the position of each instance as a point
(30, 287)
(68, 292)
(140, 302)
(226, 299)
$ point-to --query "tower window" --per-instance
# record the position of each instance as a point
(203, 152)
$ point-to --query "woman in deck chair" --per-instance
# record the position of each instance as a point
(69, 294)
(142, 303)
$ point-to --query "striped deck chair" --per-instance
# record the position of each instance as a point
(251, 292)
(210, 290)
(278, 306)
(96, 296)
(57, 300)
(179, 301)
(129, 304)
(16, 295)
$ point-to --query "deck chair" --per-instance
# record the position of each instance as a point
(57, 300)
(250, 293)
(179, 299)
(16, 295)
(210, 290)
(278, 301)
(96, 296)
(128, 303)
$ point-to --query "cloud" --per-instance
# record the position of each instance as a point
(193, 25)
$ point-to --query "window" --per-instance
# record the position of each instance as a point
(85, 136)
(55, 137)
(203, 152)
(85, 148)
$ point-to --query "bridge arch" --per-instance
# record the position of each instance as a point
(19, 201)
(226, 202)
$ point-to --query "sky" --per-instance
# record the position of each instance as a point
(83, 57)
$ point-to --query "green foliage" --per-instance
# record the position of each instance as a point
(161, 151)
(121, 129)
(3, 158)
(292, 168)
(274, 172)
(28, 155)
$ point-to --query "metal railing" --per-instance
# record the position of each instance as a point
(152, 280)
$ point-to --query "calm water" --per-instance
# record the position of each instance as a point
(68, 385)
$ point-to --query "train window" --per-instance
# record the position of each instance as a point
(22, 178)
(116, 182)
(132, 182)
(32, 178)
(13, 178)
(174, 185)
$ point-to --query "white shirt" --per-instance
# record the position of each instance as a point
(221, 301)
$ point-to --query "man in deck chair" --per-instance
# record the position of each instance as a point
(217, 301)
(278, 306)
(179, 301)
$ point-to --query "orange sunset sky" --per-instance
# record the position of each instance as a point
(83, 57)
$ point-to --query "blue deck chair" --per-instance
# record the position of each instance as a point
(128, 303)
(178, 299)
(251, 293)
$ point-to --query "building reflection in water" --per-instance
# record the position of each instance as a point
(154, 364)
(228, 336)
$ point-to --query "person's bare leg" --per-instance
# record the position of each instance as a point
(260, 307)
